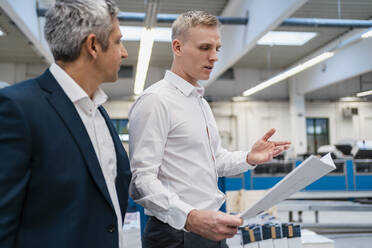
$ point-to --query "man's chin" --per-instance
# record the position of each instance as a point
(204, 77)
(111, 80)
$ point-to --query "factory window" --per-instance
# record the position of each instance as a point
(227, 75)
(317, 131)
(126, 71)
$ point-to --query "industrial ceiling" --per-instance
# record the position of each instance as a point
(16, 48)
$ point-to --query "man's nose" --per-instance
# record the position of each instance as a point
(124, 52)
(214, 56)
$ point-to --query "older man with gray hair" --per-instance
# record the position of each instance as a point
(64, 173)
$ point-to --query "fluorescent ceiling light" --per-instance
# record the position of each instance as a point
(281, 38)
(349, 99)
(2, 32)
(364, 93)
(133, 33)
(147, 41)
(367, 34)
(317, 59)
(288, 73)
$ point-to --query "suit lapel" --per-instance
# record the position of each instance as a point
(123, 170)
(69, 115)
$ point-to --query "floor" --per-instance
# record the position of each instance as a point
(358, 240)
(342, 240)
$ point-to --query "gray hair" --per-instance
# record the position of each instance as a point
(191, 19)
(69, 22)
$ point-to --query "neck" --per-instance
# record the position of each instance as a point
(177, 69)
(82, 74)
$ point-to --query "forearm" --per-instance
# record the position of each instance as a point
(232, 163)
(164, 204)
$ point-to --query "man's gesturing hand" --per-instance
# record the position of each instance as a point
(212, 225)
(264, 150)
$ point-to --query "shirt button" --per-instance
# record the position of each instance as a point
(111, 228)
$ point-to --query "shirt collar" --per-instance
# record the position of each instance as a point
(185, 87)
(72, 89)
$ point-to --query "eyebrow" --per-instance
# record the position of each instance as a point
(209, 44)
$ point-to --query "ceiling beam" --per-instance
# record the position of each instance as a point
(348, 62)
(238, 40)
(24, 15)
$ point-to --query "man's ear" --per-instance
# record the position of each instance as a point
(176, 47)
(91, 45)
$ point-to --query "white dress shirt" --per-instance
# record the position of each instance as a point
(175, 152)
(98, 132)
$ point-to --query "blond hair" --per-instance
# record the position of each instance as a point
(191, 19)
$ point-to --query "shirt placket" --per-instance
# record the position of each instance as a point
(92, 114)
(107, 171)
(208, 135)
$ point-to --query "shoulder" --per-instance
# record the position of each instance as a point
(155, 94)
(162, 88)
(24, 97)
(154, 98)
(21, 91)
(15, 102)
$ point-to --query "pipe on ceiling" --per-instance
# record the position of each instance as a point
(327, 23)
(163, 18)
(289, 22)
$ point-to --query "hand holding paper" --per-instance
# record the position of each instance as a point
(306, 173)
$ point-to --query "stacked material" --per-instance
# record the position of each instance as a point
(272, 235)
(277, 235)
(268, 235)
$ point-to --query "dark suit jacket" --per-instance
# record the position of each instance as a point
(52, 190)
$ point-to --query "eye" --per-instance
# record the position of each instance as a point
(205, 48)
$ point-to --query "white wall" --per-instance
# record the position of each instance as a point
(254, 119)
(355, 127)
(242, 123)
(16, 72)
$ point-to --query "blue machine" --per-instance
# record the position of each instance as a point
(350, 175)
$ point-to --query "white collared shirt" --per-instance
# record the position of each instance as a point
(98, 132)
(175, 152)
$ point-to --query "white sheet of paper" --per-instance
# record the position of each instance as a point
(310, 170)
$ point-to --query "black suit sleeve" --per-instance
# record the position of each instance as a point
(15, 150)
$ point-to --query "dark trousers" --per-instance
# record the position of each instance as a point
(161, 235)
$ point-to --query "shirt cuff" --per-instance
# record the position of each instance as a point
(177, 214)
(251, 166)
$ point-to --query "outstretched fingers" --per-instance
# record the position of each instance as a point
(281, 143)
(268, 134)
(277, 151)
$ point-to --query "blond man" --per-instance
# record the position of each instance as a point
(175, 149)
